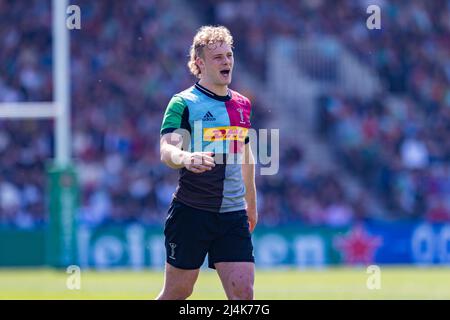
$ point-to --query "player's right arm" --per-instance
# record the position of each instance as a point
(175, 158)
(172, 153)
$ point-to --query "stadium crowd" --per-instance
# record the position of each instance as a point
(397, 143)
(124, 72)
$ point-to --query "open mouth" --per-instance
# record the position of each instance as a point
(225, 72)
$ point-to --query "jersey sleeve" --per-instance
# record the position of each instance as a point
(176, 116)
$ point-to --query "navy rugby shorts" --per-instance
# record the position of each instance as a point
(191, 234)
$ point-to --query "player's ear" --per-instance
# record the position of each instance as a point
(200, 63)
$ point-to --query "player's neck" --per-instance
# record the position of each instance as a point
(219, 90)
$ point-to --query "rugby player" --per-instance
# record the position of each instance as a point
(214, 208)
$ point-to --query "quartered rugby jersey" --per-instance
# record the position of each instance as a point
(218, 124)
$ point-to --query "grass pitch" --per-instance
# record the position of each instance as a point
(289, 284)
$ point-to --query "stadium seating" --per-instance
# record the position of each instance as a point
(124, 72)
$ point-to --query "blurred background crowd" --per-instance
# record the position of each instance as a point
(129, 58)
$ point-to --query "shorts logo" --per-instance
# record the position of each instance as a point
(172, 252)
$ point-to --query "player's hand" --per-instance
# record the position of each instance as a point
(252, 219)
(199, 162)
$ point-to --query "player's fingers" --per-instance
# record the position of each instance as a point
(207, 158)
(209, 163)
(251, 226)
(209, 153)
(201, 167)
(195, 170)
(196, 159)
(202, 158)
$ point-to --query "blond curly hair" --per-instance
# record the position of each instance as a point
(207, 35)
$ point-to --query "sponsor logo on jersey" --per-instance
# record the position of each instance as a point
(225, 133)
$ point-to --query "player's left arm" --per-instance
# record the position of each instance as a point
(248, 174)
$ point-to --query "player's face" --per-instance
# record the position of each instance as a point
(218, 64)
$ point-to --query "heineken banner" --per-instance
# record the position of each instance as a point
(63, 191)
(384, 243)
(139, 246)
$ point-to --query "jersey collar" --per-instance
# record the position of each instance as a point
(211, 94)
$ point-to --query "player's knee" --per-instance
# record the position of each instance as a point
(242, 291)
(179, 292)
(185, 292)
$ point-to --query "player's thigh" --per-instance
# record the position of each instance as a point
(186, 237)
(235, 245)
(176, 278)
(237, 278)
